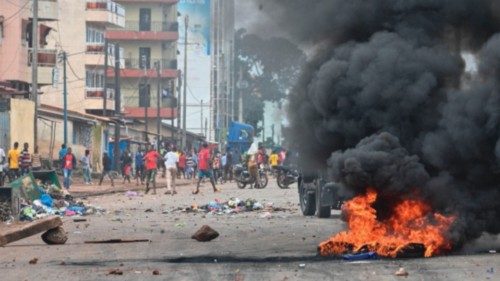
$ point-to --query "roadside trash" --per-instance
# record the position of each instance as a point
(46, 200)
(302, 265)
(491, 270)
(131, 194)
(180, 225)
(149, 211)
(33, 261)
(115, 272)
(401, 272)
(361, 256)
(205, 234)
(266, 215)
(156, 272)
(79, 220)
(492, 251)
(231, 206)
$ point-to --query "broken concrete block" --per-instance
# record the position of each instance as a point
(55, 236)
(205, 234)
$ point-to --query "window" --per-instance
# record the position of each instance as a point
(94, 36)
(94, 78)
(82, 134)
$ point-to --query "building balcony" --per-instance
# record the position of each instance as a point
(153, 31)
(98, 93)
(94, 55)
(135, 68)
(94, 100)
(48, 10)
(168, 2)
(105, 12)
(47, 60)
(139, 112)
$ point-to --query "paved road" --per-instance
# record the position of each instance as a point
(282, 247)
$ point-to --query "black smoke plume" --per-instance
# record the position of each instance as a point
(386, 101)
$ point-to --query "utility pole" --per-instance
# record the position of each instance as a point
(146, 99)
(184, 98)
(34, 70)
(105, 96)
(158, 97)
(240, 98)
(201, 107)
(179, 95)
(116, 150)
(65, 97)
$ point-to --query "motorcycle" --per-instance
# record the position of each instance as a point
(243, 177)
(286, 176)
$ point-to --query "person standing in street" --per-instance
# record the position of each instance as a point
(151, 165)
(25, 160)
(36, 160)
(274, 161)
(106, 169)
(2, 166)
(182, 165)
(13, 158)
(171, 161)
(69, 163)
(85, 161)
(189, 167)
(139, 167)
(204, 168)
(127, 166)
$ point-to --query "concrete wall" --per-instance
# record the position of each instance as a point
(22, 116)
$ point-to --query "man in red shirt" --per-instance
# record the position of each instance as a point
(204, 168)
(151, 166)
(68, 164)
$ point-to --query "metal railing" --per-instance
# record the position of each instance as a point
(46, 58)
(106, 5)
(155, 26)
(91, 92)
(136, 63)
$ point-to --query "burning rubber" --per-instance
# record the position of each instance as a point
(412, 229)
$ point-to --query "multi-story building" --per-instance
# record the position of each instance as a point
(81, 33)
(223, 74)
(149, 39)
(16, 42)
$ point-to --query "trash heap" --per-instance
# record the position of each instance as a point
(5, 211)
(231, 206)
(53, 201)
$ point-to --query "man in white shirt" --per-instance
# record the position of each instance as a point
(171, 160)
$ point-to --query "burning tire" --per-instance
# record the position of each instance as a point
(322, 211)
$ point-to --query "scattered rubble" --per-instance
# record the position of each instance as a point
(33, 261)
(5, 211)
(156, 272)
(117, 241)
(231, 206)
(401, 272)
(115, 271)
(205, 234)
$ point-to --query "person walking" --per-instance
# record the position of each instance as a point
(171, 161)
(85, 162)
(25, 159)
(106, 169)
(182, 165)
(189, 167)
(204, 168)
(13, 158)
(151, 165)
(68, 164)
(139, 167)
(127, 166)
(3, 169)
(36, 160)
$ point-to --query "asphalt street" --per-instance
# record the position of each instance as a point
(258, 245)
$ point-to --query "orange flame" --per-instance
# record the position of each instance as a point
(412, 222)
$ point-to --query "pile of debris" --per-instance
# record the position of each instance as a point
(53, 201)
(5, 211)
(231, 206)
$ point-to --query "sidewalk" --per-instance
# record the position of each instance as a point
(79, 189)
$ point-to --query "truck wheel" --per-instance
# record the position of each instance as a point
(307, 202)
(322, 211)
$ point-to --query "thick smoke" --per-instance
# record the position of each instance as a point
(386, 102)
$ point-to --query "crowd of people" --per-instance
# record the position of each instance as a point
(145, 164)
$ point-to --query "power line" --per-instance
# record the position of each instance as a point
(18, 11)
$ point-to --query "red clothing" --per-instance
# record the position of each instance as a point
(151, 160)
(203, 159)
(182, 161)
(68, 161)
